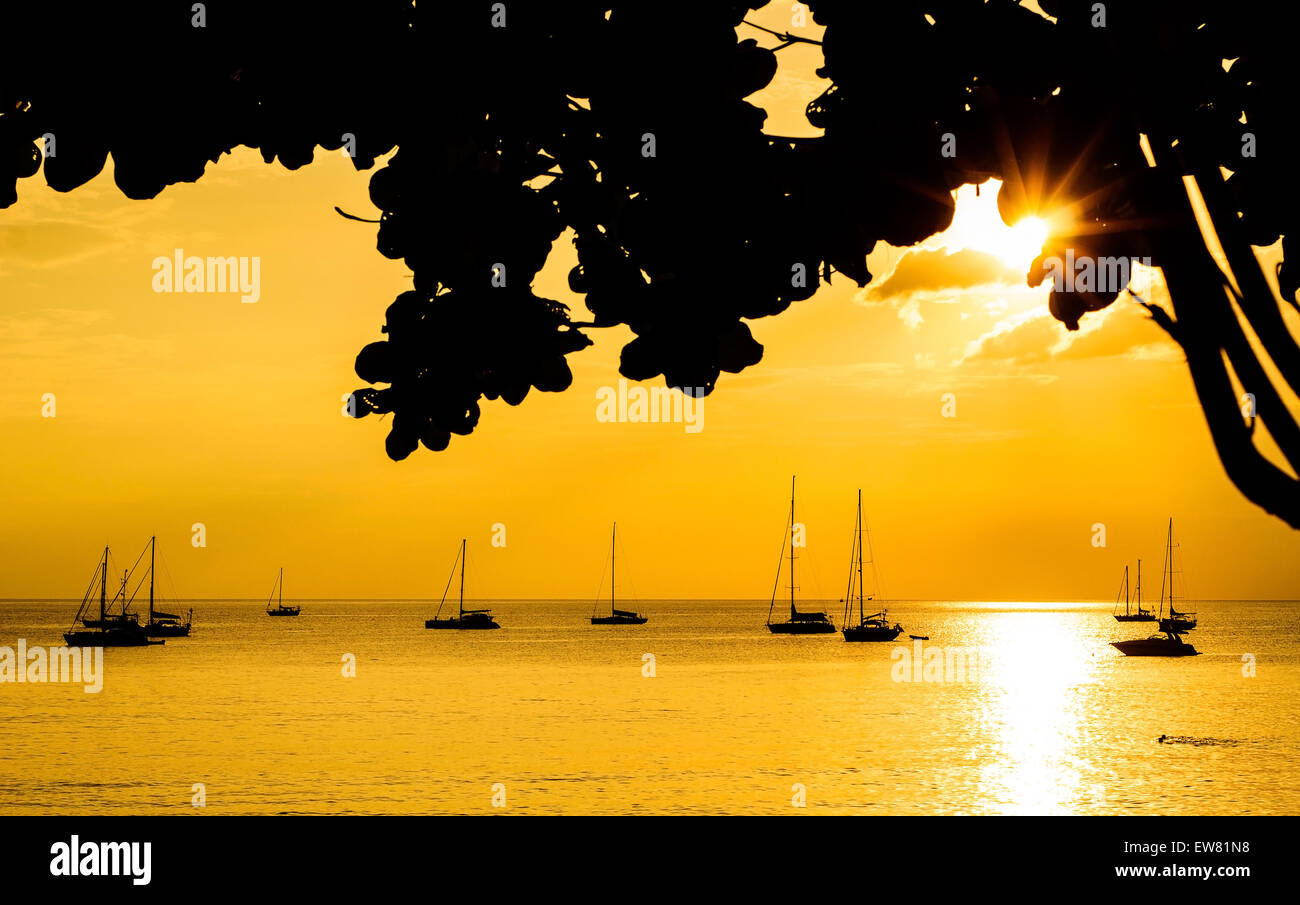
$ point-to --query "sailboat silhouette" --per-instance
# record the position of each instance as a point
(1141, 615)
(109, 630)
(799, 623)
(875, 627)
(616, 616)
(280, 609)
(1169, 644)
(1175, 621)
(464, 619)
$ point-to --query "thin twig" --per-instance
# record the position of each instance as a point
(343, 213)
(786, 38)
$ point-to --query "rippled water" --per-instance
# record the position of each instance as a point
(559, 712)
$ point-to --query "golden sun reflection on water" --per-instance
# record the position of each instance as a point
(1036, 678)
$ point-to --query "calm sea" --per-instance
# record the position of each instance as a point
(553, 715)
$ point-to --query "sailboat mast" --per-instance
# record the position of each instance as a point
(462, 576)
(1126, 590)
(280, 602)
(860, 588)
(1169, 554)
(1137, 591)
(153, 543)
(103, 584)
(612, 532)
(792, 477)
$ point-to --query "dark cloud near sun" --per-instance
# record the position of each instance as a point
(936, 269)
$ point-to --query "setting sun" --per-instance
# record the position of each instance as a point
(1025, 241)
(978, 226)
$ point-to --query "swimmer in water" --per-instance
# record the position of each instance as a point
(1161, 740)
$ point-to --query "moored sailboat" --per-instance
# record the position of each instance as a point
(799, 623)
(278, 592)
(616, 616)
(465, 619)
(1170, 643)
(122, 630)
(875, 627)
(163, 625)
(1175, 621)
(168, 625)
(1140, 615)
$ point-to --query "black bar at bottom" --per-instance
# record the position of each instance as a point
(1170, 855)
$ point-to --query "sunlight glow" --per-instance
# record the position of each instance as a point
(977, 225)
(1025, 241)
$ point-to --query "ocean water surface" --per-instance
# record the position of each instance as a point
(555, 715)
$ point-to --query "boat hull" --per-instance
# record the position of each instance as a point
(1154, 647)
(801, 628)
(1144, 617)
(108, 638)
(618, 620)
(461, 624)
(871, 633)
(1177, 625)
(166, 630)
(111, 622)
(285, 611)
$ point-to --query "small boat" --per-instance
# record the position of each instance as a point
(799, 623)
(163, 625)
(121, 630)
(167, 625)
(1175, 621)
(875, 627)
(1129, 616)
(280, 609)
(465, 619)
(616, 616)
(1178, 622)
(1166, 645)
(919, 637)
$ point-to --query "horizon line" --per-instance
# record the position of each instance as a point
(663, 599)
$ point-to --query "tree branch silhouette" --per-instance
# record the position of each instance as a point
(688, 218)
(786, 38)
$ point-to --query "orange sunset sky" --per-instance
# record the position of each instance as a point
(174, 409)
